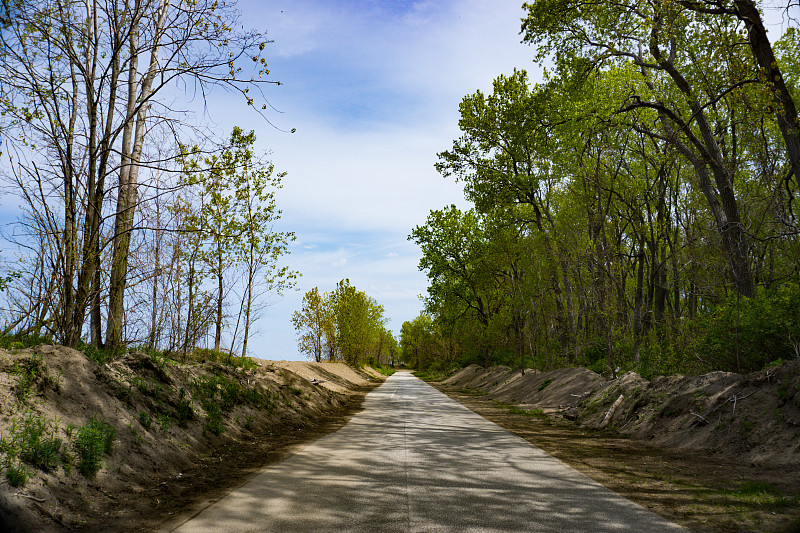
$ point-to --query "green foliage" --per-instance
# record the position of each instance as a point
(6, 280)
(185, 411)
(38, 444)
(314, 325)
(359, 323)
(213, 422)
(384, 370)
(34, 441)
(231, 226)
(345, 324)
(92, 441)
(544, 384)
(32, 376)
(16, 473)
(607, 231)
(516, 410)
(205, 355)
(226, 393)
(761, 330)
(101, 356)
(145, 419)
(13, 342)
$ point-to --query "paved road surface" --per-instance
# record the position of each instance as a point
(414, 460)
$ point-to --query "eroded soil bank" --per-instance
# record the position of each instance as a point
(718, 452)
(181, 433)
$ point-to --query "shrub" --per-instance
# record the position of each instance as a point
(92, 441)
(11, 342)
(38, 445)
(184, 409)
(213, 418)
(100, 356)
(17, 474)
(765, 328)
(31, 375)
(145, 419)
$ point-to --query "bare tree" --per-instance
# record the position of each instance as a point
(79, 107)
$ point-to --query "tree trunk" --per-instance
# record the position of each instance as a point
(250, 280)
(785, 108)
(218, 329)
(638, 302)
(128, 188)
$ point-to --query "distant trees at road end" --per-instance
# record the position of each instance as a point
(344, 325)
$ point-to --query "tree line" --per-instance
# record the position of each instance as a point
(138, 224)
(637, 209)
(344, 325)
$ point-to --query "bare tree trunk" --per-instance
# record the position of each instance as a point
(218, 329)
(785, 108)
(638, 303)
(248, 307)
(128, 189)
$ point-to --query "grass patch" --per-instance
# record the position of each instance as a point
(145, 419)
(515, 410)
(384, 370)
(213, 418)
(16, 473)
(38, 444)
(32, 441)
(14, 342)
(32, 376)
(544, 384)
(185, 411)
(100, 356)
(472, 392)
(206, 355)
(230, 393)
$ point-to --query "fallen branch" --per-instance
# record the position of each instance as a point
(701, 417)
(610, 412)
(34, 498)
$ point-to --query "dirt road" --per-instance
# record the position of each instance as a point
(415, 460)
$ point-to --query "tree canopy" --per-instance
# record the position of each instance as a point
(632, 210)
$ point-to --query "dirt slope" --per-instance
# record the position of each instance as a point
(169, 425)
(753, 417)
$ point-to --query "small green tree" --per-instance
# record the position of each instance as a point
(311, 323)
(234, 218)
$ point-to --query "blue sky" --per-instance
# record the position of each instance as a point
(373, 90)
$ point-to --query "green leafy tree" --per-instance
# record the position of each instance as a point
(229, 217)
(312, 322)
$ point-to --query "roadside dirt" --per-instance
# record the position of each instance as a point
(705, 486)
(185, 433)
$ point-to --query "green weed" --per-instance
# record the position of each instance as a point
(38, 444)
(13, 342)
(92, 441)
(16, 474)
(165, 421)
(32, 375)
(544, 384)
(145, 419)
(184, 410)
(213, 418)
(101, 356)
(513, 409)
